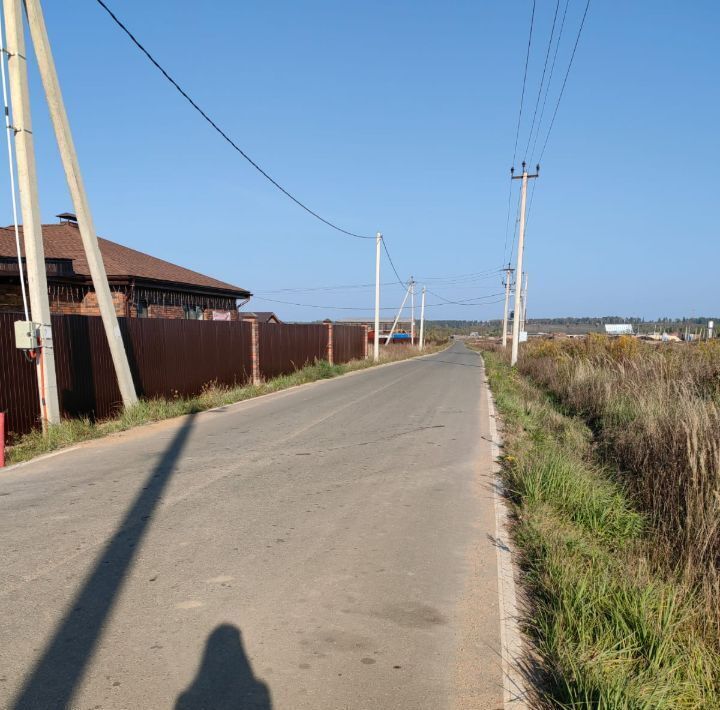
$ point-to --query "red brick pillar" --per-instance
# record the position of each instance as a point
(366, 330)
(255, 351)
(329, 342)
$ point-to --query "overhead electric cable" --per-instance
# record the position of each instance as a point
(549, 81)
(517, 130)
(299, 289)
(515, 227)
(567, 73)
(507, 220)
(542, 78)
(219, 130)
(13, 193)
(460, 276)
(464, 301)
(315, 305)
(400, 281)
(522, 95)
(365, 308)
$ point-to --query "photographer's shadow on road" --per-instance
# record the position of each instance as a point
(225, 679)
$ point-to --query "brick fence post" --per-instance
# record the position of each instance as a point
(255, 351)
(329, 342)
(366, 330)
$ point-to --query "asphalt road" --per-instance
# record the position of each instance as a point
(324, 547)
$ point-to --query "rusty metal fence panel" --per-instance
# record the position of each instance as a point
(348, 343)
(167, 358)
(286, 348)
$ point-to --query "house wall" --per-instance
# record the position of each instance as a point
(10, 298)
(208, 313)
(89, 305)
(63, 302)
(79, 301)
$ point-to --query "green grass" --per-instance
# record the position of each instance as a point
(73, 431)
(612, 630)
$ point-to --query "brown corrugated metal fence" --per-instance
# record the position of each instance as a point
(18, 383)
(286, 348)
(167, 357)
(348, 343)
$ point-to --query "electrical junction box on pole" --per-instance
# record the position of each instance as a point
(26, 335)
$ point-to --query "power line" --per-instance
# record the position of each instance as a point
(347, 287)
(507, 221)
(365, 308)
(522, 95)
(464, 301)
(552, 71)
(315, 305)
(462, 281)
(400, 281)
(567, 73)
(219, 130)
(515, 227)
(459, 277)
(542, 78)
(517, 130)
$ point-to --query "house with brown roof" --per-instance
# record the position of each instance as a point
(142, 286)
(260, 316)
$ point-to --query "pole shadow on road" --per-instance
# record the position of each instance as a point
(225, 680)
(57, 673)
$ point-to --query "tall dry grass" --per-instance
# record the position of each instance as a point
(655, 411)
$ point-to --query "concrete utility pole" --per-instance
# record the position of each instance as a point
(51, 84)
(521, 248)
(376, 339)
(422, 320)
(508, 279)
(412, 311)
(524, 304)
(29, 204)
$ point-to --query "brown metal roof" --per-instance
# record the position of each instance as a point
(260, 316)
(62, 241)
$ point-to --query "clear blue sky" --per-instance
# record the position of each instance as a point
(399, 117)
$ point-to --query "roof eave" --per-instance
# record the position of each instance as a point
(185, 287)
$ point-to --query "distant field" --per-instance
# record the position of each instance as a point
(572, 329)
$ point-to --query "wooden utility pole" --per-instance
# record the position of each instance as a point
(29, 204)
(521, 248)
(508, 279)
(51, 84)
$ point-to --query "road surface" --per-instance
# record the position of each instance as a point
(324, 547)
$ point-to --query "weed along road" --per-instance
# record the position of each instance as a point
(324, 547)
